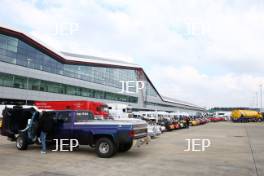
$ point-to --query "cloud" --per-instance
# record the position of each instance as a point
(211, 49)
(188, 84)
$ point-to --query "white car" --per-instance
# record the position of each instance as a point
(154, 130)
(151, 131)
(162, 128)
(157, 130)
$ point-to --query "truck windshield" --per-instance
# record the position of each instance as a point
(84, 116)
(129, 110)
(104, 109)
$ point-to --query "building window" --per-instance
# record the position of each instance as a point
(99, 94)
(15, 51)
(55, 88)
(33, 84)
(87, 93)
(43, 86)
(20, 82)
(70, 90)
(8, 80)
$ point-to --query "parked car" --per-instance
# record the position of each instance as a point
(216, 119)
(194, 122)
(162, 124)
(151, 131)
(202, 121)
(106, 136)
(157, 129)
(167, 123)
(183, 123)
(162, 128)
(176, 124)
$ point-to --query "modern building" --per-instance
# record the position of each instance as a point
(31, 71)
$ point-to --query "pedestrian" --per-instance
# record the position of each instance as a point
(45, 128)
(187, 122)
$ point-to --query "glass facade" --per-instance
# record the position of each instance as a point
(15, 51)
(8, 80)
(150, 90)
(18, 52)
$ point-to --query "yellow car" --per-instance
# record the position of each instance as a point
(195, 122)
(0, 123)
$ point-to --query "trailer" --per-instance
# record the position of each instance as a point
(99, 109)
(120, 111)
(246, 116)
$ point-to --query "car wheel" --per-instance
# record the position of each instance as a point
(105, 148)
(21, 142)
(125, 147)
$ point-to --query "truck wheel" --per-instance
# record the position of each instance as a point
(105, 148)
(21, 142)
(125, 147)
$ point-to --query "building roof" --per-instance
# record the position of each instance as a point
(70, 58)
(93, 59)
(173, 100)
(64, 57)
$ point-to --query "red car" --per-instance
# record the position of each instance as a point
(176, 125)
(216, 119)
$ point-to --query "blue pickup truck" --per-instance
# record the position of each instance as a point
(106, 136)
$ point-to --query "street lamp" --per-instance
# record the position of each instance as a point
(256, 99)
(260, 86)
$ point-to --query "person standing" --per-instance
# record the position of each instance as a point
(187, 122)
(45, 128)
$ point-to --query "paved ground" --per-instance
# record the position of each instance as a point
(236, 150)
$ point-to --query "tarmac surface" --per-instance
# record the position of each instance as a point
(236, 150)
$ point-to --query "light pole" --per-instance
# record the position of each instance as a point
(260, 96)
(256, 99)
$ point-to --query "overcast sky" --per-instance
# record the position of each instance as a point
(208, 52)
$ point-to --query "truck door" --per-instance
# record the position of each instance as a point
(82, 131)
(63, 125)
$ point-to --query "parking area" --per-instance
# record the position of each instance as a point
(236, 149)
